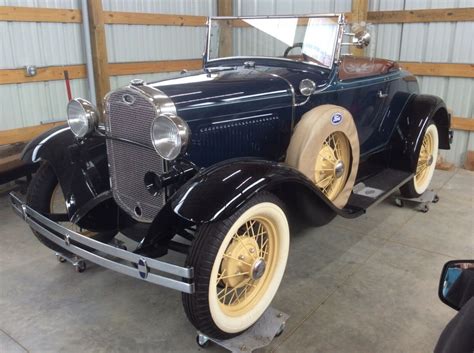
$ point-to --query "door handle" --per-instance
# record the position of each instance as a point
(380, 94)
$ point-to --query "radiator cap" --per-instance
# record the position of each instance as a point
(137, 82)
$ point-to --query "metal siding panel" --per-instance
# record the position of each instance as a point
(284, 7)
(66, 4)
(385, 5)
(387, 41)
(40, 44)
(463, 44)
(47, 44)
(183, 7)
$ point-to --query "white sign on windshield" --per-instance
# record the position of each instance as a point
(283, 29)
(319, 41)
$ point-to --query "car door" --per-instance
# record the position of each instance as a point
(367, 101)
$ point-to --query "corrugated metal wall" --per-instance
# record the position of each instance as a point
(449, 42)
(40, 44)
(48, 44)
(127, 43)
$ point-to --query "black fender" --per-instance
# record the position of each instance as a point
(217, 192)
(408, 135)
(82, 171)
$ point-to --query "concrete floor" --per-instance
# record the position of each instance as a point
(364, 285)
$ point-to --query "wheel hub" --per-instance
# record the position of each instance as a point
(339, 169)
(330, 172)
(429, 162)
(241, 262)
(258, 268)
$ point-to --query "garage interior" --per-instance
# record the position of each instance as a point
(363, 285)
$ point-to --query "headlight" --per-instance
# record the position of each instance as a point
(170, 136)
(82, 117)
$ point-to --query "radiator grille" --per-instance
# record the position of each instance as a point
(128, 162)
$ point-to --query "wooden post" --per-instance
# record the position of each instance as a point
(359, 14)
(224, 8)
(99, 51)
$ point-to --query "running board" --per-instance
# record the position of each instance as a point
(377, 188)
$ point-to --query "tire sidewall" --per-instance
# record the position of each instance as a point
(234, 324)
(38, 197)
(420, 189)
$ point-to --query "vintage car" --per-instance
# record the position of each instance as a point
(209, 163)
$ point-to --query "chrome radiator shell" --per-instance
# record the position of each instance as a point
(129, 114)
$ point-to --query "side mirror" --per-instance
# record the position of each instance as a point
(456, 285)
(361, 39)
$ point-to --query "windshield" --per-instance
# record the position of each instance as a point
(308, 39)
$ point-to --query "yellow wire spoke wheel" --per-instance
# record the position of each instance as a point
(332, 165)
(425, 159)
(238, 263)
(425, 165)
(246, 266)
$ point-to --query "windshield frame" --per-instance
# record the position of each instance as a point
(337, 43)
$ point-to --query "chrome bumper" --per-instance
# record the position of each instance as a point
(105, 255)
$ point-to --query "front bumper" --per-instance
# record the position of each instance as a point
(105, 255)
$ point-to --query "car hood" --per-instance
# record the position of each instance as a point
(225, 91)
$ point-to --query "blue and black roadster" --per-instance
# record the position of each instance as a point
(209, 163)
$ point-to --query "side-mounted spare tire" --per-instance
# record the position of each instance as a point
(44, 195)
(325, 148)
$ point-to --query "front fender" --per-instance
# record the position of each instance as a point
(81, 169)
(408, 136)
(217, 192)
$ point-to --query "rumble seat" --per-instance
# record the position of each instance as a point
(357, 67)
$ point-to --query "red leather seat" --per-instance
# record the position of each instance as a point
(357, 67)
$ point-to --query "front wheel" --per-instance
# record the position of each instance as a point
(45, 196)
(238, 266)
(425, 166)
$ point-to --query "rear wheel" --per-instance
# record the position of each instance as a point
(45, 196)
(425, 166)
(238, 266)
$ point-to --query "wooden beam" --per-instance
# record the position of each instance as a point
(439, 69)
(464, 124)
(359, 16)
(52, 73)
(417, 16)
(47, 73)
(225, 8)
(25, 134)
(226, 47)
(146, 67)
(137, 18)
(99, 51)
(39, 14)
